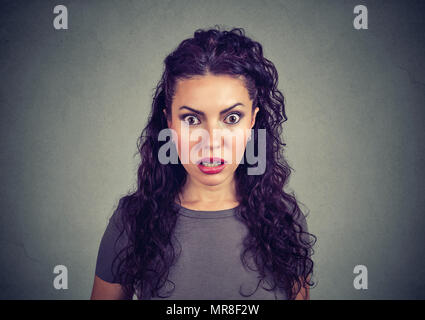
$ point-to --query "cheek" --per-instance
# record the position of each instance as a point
(186, 147)
(236, 145)
(236, 142)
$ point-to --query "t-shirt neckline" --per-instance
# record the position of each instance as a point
(210, 214)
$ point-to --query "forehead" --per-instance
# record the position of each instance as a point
(210, 90)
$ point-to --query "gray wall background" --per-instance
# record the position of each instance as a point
(73, 103)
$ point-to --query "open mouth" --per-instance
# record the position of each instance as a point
(211, 162)
(211, 165)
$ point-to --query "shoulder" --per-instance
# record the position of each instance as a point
(116, 218)
(301, 227)
(115, 236)
(112, 244)
(301, 219)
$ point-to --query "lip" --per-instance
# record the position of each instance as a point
(211, 170)
(211, 159)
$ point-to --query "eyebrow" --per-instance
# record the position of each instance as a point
(202, 113)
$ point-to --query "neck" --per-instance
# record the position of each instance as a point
(195, 192)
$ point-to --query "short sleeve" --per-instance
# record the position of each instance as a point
(303, 222)
(305, 238)
(110, 246)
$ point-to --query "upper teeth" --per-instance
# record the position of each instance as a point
(211, 164)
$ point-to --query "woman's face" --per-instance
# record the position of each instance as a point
(212, 116)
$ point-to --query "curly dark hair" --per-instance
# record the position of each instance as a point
(278, 242)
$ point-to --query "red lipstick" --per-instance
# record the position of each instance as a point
(211, 165)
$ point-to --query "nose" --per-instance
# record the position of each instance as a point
(215, 138)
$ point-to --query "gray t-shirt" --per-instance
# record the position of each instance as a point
(209, 266)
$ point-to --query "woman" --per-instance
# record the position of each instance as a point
(213, 224)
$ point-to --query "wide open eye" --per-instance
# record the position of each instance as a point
(191, 120)
(233, 118)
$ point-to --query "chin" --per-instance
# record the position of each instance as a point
(210, 179)
(211, 182)
(213, 179)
